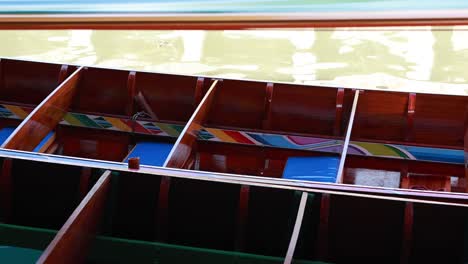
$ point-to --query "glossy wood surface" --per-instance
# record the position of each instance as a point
(102, 91)
(297, 227)
(74, 238)
(24, 82)
(45, 116)
(163, 93)
(182, 150)
(349, 129)
(310, 110)
(229, 21)
(238, 104)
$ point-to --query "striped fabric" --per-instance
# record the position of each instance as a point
(249, 138)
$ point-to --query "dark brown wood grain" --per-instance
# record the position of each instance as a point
(29, 83)
(73, 239)
(44, 117)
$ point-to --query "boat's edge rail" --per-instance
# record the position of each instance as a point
(422, 196)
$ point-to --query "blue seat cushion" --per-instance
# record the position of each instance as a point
(5, 133)
(319, 169)
(18, 255)
(151, 153)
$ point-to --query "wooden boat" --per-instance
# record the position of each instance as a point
(112, 166)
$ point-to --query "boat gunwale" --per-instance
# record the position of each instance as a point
(328, 86)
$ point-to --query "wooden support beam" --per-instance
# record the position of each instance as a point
(45, 117)
(407, 223)
(410, 116)
(179, 157)
(242, 215)
(407, 233)
(181, 152)
(268, 101)
(199, 91)
(323, 229)
(339, 175)
(131, 92)
(63, 73)
(338, 111)
(73, 240)
(297, 228)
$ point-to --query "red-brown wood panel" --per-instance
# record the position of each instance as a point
(247, 159)
(381, 116)
(440, 119)
(170, 97)
(238, 104)
(102, 91)
(93, 144)
(45, 117)
(304, 109)
(27, 82)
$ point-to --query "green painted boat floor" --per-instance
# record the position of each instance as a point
(116, 250)
(18, 255)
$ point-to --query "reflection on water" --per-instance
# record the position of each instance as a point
(416, 59)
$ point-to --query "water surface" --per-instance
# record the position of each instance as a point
(422, 59)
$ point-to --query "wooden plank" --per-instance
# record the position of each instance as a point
(225, 21)
(297, 228)
(45, 117)
(242, 215)
(339, 175)
(322, 244)
(410, 116)
(407, 233)
(180, 153)
(268, 100)
(74, 238)
(339, 111)
(179, 157)
(131, 92)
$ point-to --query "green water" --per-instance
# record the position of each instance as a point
(420, 59)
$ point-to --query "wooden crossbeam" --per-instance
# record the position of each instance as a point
(180, 155)
(297, 228)
(74, 238)
(45, 117)
(339, 175)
